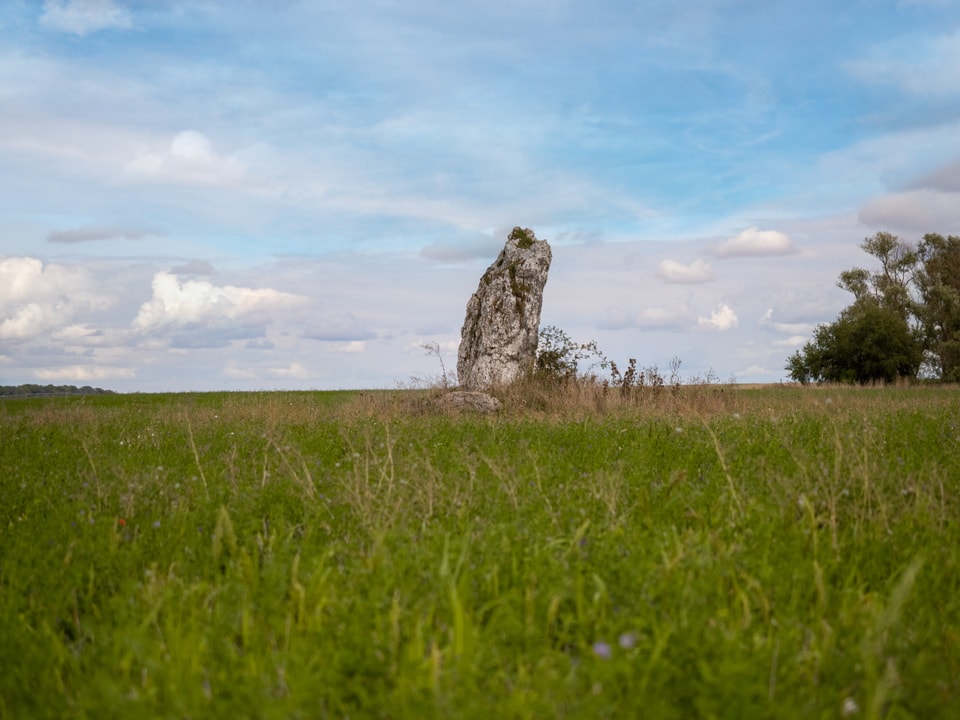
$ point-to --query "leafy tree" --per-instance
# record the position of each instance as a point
(891, 286)
(938, 281)
(878, 337)
(867, 343)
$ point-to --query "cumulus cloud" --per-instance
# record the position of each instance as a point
(30, 320)
(674, 272)
(189, 159)
(82, 17)
(337, 327)
(87, 233)
(723, 318)
(199, 314)
(754, 242)
(37, 299)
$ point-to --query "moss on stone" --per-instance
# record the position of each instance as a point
(524, 237)
(517, 288)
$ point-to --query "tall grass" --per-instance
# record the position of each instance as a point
(699, 552)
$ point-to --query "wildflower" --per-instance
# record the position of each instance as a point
(627, 640)
(121, 521)
(850, 707)
(602, 650)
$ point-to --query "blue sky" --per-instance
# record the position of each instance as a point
(243, 195)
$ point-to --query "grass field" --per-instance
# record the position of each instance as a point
(701, 553)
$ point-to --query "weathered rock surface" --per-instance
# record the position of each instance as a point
(498, 342)
(469, 401)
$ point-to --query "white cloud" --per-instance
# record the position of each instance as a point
(755, 370)
(237, 371)
(21, 277)
(294, 371)
(78, 334)
(723, 318)
(355, 346)
(210, 313)
(30, 320)
(791, 342)
(192, 146)
(82, 17)
(84, 373)
(190, 159)
(37, 299)
(674, 272)
(754, 242)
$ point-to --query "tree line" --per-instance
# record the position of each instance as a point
(30, 390)
(904, 321)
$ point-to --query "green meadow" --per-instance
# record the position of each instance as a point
(694, 552)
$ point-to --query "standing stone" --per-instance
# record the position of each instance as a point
(498, 343)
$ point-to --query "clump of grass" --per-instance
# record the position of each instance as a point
(633, 394)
